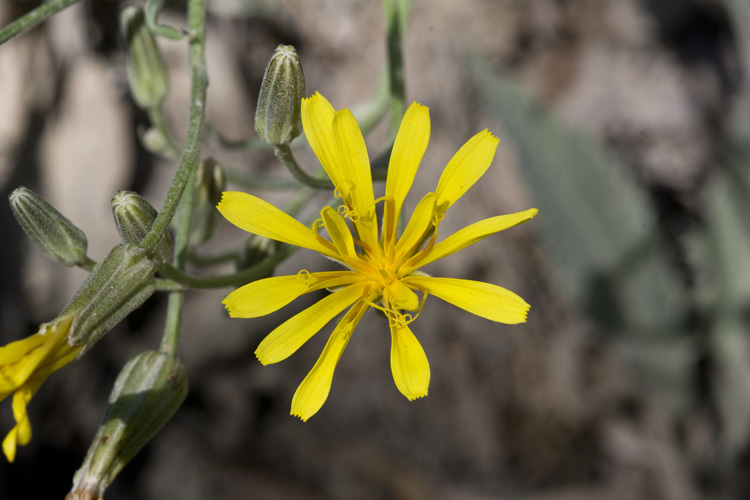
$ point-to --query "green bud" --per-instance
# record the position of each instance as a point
(256, 250)
(146, 73)
(134, 217)
(117, 286)
(58, 238)
(148, 391)
(278, 118)
(209, 184)
(155, 142)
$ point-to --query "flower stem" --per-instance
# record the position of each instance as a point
(182, 184)
(260, 270)
(396, 13)
(191, 153)
(33, 18)
(176, 298)
(284, 154)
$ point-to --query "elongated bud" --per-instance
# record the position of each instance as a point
(278, 117)
(209, 184)
(148, 391)
(58, 238)
(146, 73)
(117, 286)
(134, 217)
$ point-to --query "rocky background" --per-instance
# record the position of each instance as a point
(624, 121)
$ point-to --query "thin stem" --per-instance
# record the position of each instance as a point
(171, 335)
(191, 154)
(33, 18)
(212, 259)
(186, 170)
(396, 12)
(284, 154)
(260, 270)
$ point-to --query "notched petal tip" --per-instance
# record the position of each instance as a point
(260, 358)
(300, 416)
(414, 397)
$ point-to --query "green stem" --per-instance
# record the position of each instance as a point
(176, 298)
(88, 264)
(258, 271)
(211, 260)
(284, 154)
(191, 154)
(33, 18)
(396, 12)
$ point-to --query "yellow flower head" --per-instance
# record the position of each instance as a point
(382, 266)
(24, 366)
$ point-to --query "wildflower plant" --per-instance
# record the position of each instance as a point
(380, 248)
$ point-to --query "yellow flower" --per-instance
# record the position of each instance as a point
(24, 366)
(382, 265)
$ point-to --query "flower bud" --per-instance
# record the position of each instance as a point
(134, 217)
(145, 67)
(117, 286)
(256, 250)
(147, 392)
(209, 184)
(58, 238)
(278, 117)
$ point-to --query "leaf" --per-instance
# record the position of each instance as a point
(598, 228)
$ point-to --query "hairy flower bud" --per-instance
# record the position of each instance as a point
(58, 238)
(145, 67)
(117, 286)
(148, 391)
(134, 217)
(209, 184)
(278, 118)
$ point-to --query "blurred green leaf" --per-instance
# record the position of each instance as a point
(597, 226)
(729, 244)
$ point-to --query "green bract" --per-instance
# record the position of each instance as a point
(134, 217)
(146, 73)
(278, 116)
(58, 238)
(117, 286)
(148, 391)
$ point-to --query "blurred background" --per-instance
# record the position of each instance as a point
(627, 123)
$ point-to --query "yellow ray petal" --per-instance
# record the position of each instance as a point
(13, 375)
(472, 234)
(483, 299)
(465, 168)
(338, 231)
(256, 216)
(317, 121)
(20, 434)
(271, 294)
(419, 227)
(355, 165)
(409, 365)
(411, 143)
(293, 333)
(313, 391)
